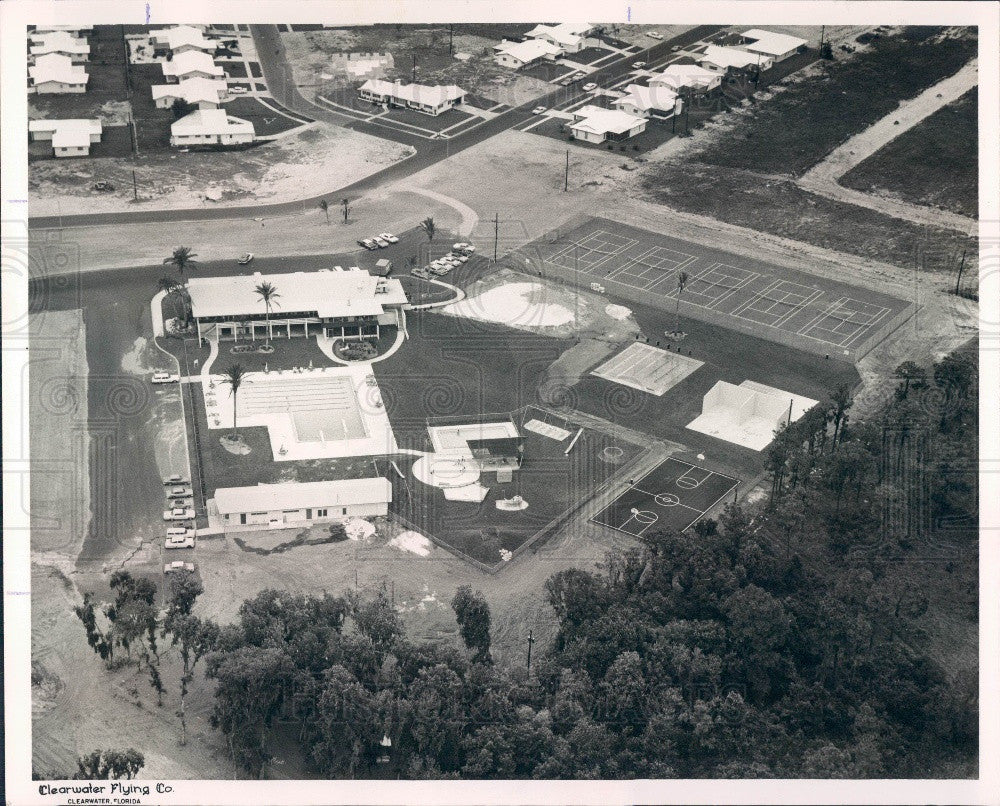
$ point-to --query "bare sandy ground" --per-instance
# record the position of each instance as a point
(295, 167)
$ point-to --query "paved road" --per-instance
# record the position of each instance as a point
(277, 74)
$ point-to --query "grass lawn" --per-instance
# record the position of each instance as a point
(255, 70)
(657, 133)
(546, 71)
(588, 55)
(445, 120)
(152, 124)
(235, 69)
(116, 141)
(798, 127)
(265, 121)
(934, 163)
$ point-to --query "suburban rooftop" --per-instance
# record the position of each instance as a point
(302, 495)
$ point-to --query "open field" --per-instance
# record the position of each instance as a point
(933, 163)
(800, 125)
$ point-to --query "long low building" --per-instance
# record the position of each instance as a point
(720, 59)
(205, 93)
(570, 37)
(649, 102)
(211, 127)
(192, 64)
(70, 138)
(337, 304)
(595, 124)
(431, 100)
(524, 54)
(772, 45)
(276, 506)
(181, 39)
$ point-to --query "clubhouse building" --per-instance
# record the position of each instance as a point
(338, 304)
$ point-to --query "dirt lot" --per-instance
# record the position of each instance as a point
(315, 72)
(299, 165)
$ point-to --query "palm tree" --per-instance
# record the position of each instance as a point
(682, 279)
(182, 259)
(427, 225)
(268, 294)
(324, 205)
(233, 378)
(346, 204)
(171, 287)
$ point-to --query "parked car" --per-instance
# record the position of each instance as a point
(381, 243)
(654, 34)
(180, 531)
(178, 542)
(164, 377)
(178, 514)
(177, 478)
(458, 256)
(463, 248)
(178, 565)
(675, 48)
(388, 236)
(441, 270)
(416, 271)
(245, 259)
(638, 65)
(590, 86)
(454, 262)
(238, 90)
(368, 243)
(179, 492)
(539, 110)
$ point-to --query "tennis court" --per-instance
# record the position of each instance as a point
(802, 310)
(674, 495)
(647, 368)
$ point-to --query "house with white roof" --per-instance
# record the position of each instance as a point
(211, 127)
(649, 102)
(679, 77)
(777, 47)
(60, 42)
(72, 30)
(181, 39)
(522, 54)
(205, 93)
(595, 124)
(277, 506)
(431, 100)
(70, 137)
(726, 60)
(337, 304)
(192, 64)
(55, 73)
(570, 37)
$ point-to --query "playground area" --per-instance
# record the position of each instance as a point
(780, 304)
(675, 495)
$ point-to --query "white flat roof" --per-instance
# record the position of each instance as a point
(599, 120)
(87, 125)
(528, 51)
(729, 57)
(303, 495)
(771, 43)
(210, 121)
(191, 61)
(685, 75)
(193, 90)
(56, 67)
(648, 97)
(331, 294)
(432, 95)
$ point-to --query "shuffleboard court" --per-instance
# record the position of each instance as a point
(674, 495)
(744, 294)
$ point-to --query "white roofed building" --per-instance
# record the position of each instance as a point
(205, 93)
(679, 77)
(522, 54)
(337, 304)
(72, 30)
(570, 37)
(60, 42)
(55, 73)
(777, 47)
(277, 506)
(720, 59)
(181, 39)
(646, 102)
(595, 124)
(192, 64)
(211, 127)
(70, 138)
(431, 100)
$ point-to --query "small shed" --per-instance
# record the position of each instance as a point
(382, 267)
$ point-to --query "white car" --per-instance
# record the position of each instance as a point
(450, 260)
(638, 65)
(382, 243)
(388, 236)
(238, 90)
(463, 247)
(179, 492)
(164, 377)
(178, 565)
(589, 87)
(178, 514)
(460, 258)
(539, 110)
(180, 531)
(177, 478)
(178, 542)
(654, 34)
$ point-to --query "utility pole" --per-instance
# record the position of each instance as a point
(135, 192)
(531, 640)
(566, 181)
(496, 235)
(822, 36)
(451, 39)
(414, 79)
(961, 266)
(345, 202)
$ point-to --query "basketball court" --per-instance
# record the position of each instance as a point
(647, 368)
(674, 495)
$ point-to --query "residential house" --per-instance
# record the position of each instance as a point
(725, 60)
(569, 37)
(678, 77)
(70, 137)
(192, 64)
(211, 127)
(776, 47)
(204, 93)
(595, 124)
(524, 54)
(430, 100)
(649, 102)
(55, 73)
(59, 42)
(73, 30)
(181, 39)
(278, 506)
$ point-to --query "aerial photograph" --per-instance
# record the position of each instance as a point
(505, 400)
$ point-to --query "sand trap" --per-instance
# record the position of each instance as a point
(515, 305)
(618, 312)
(413, 542)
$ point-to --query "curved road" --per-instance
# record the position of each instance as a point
(277, 74)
